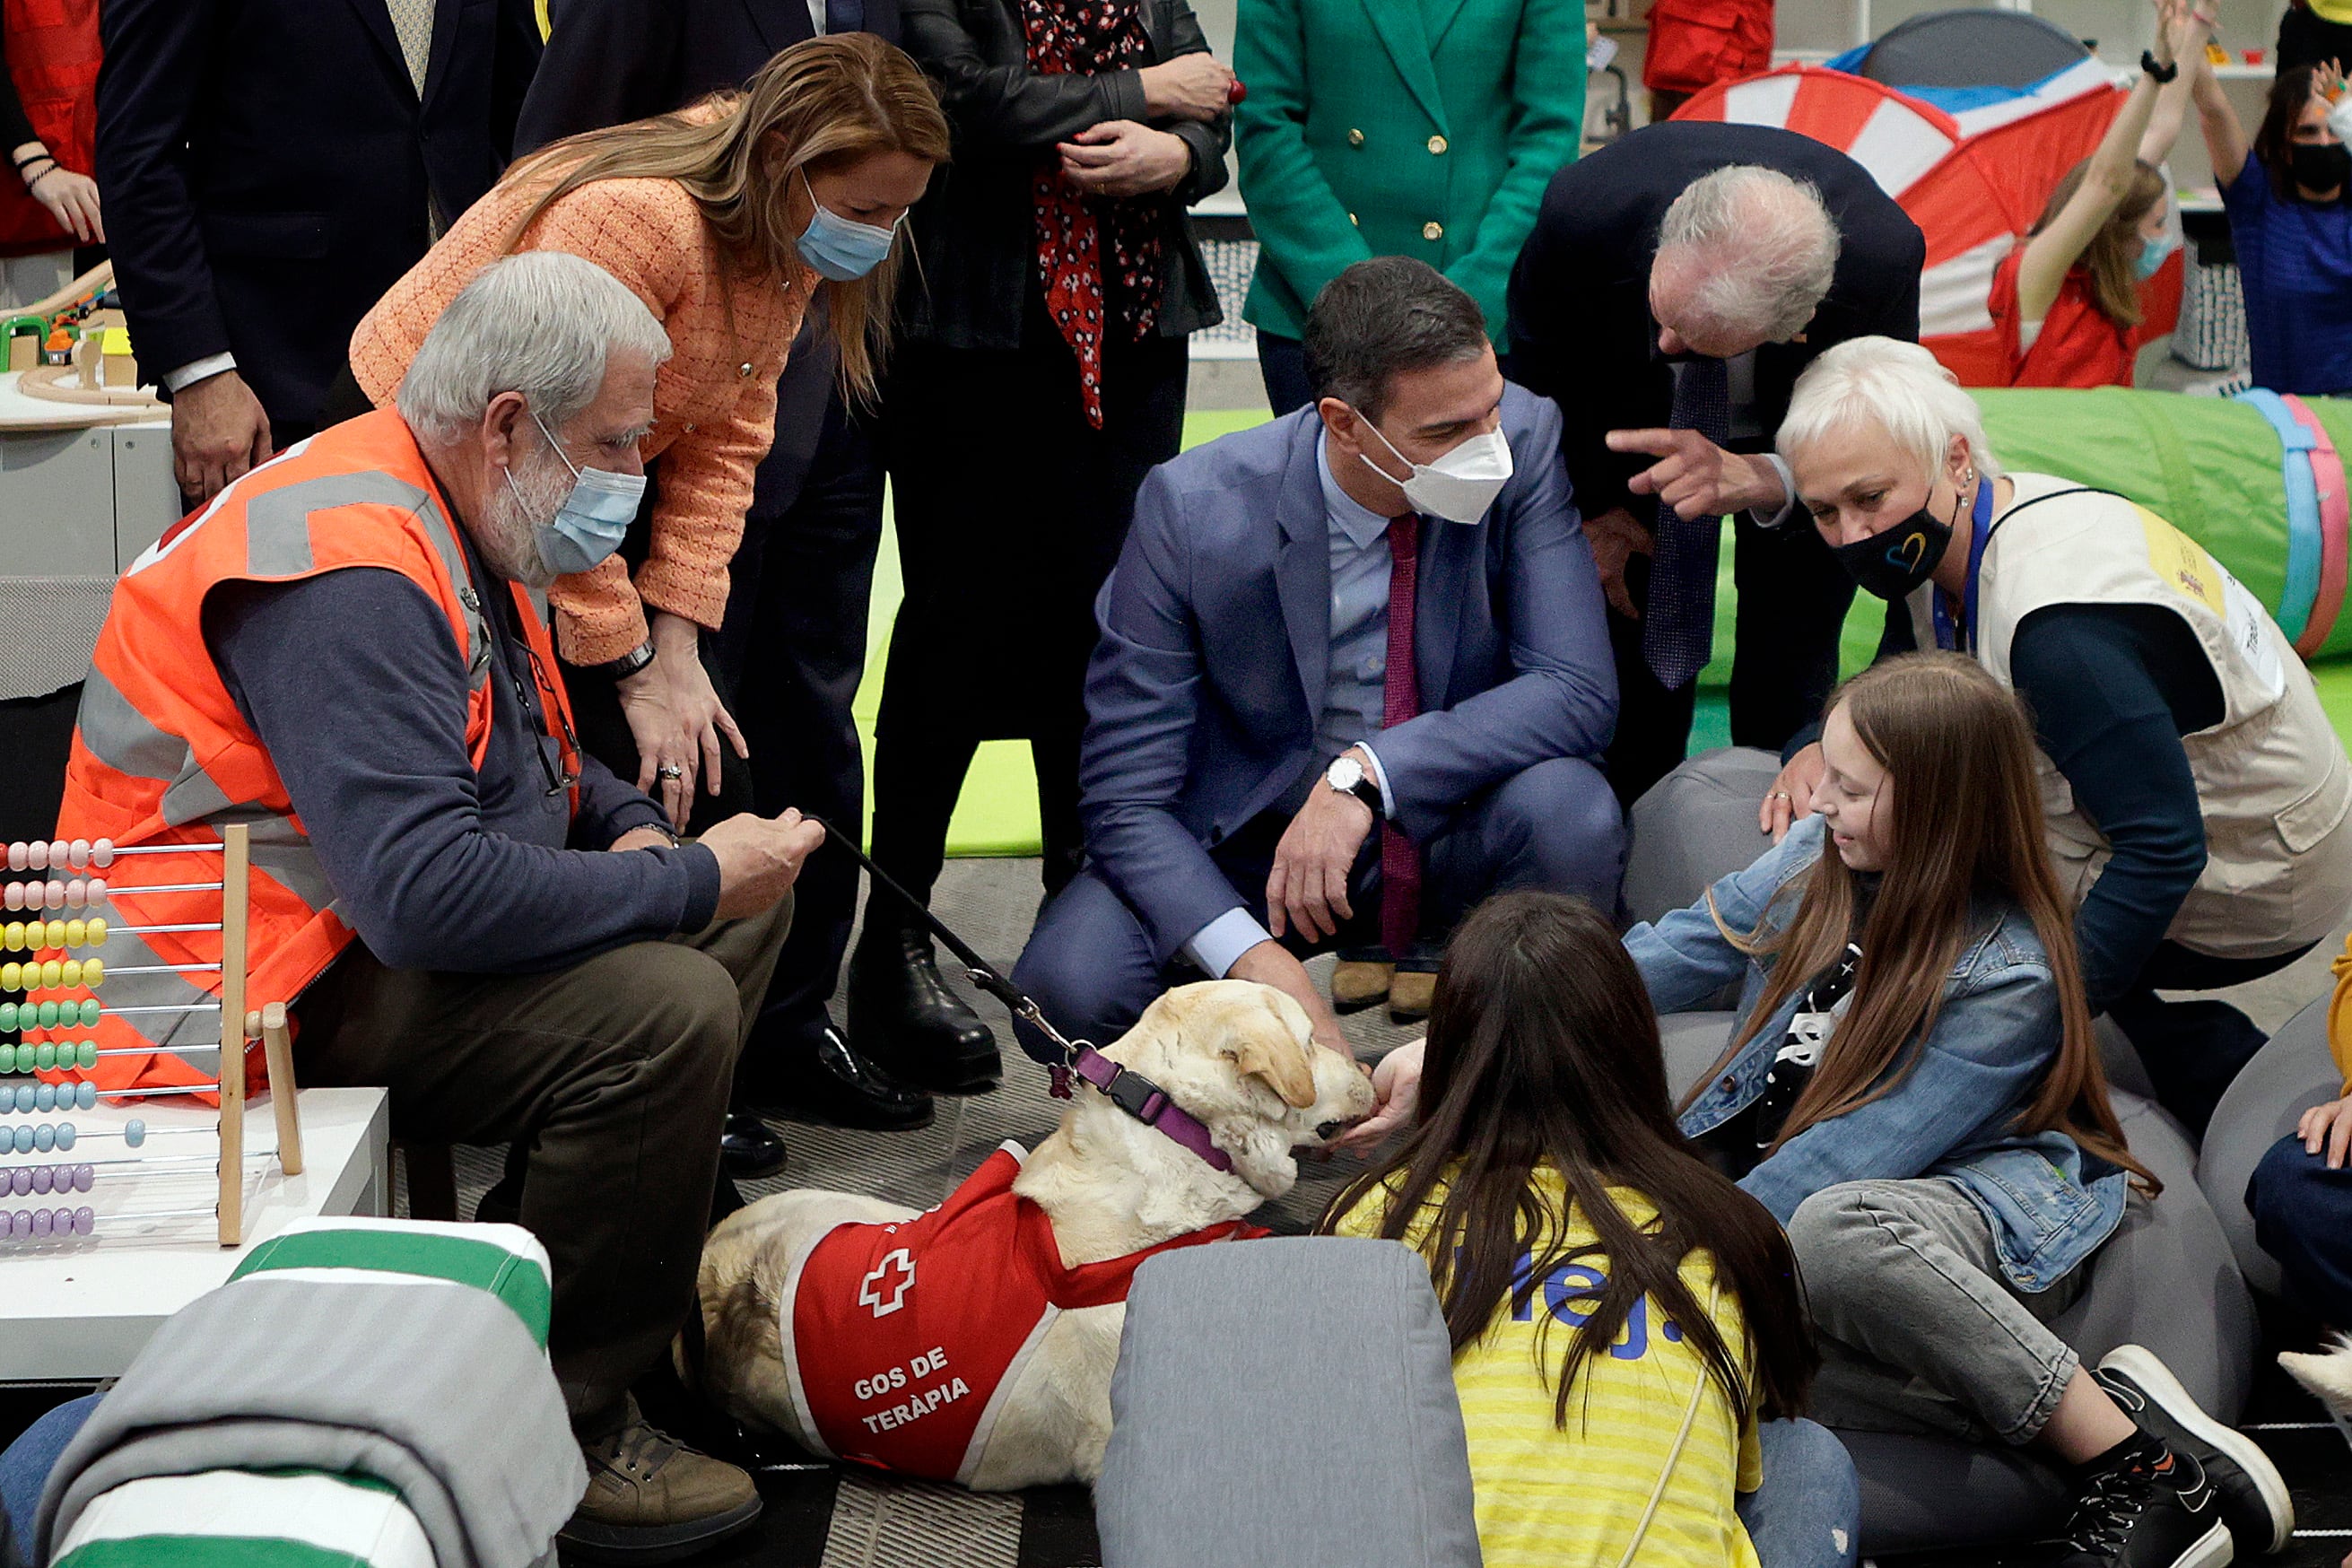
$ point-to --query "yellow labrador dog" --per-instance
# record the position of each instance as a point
(974, 1342)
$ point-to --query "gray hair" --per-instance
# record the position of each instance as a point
(1766, 247)
(543, 323)
(1380, 318)
(1899, 388)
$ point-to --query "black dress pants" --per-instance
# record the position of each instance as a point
(794, 649)
(1010, 510)
(1793, 597)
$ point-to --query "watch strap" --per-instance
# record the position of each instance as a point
(629, 663)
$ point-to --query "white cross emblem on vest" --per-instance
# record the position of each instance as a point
(898, 1269)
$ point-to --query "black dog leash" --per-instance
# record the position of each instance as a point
(1130, 1092)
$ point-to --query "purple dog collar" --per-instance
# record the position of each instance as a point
(1143, 1100)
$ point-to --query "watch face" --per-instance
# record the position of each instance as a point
(1346, 774)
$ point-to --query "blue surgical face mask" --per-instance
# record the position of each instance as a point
(838, 247)
(2152, 252)
(594, 518)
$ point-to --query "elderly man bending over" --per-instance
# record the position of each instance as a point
(342, 651)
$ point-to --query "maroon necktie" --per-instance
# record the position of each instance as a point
(1401, 700)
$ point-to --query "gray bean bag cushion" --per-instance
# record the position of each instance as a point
(2169, 1279)
(2290, 1074)
(1288, 1401)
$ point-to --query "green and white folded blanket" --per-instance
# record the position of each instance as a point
(361, 1392)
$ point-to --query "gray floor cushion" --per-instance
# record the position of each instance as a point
(2170, 1279)
(1288, 1401)
(2292, 1073)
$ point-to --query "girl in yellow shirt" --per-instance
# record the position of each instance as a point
(1626, 1323)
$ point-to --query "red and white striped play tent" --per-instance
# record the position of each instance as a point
(1973, 179)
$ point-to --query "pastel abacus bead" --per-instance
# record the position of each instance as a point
(16, 1097)
(85, 1097)
(78, 853)
(97, 891)
(68, 972)
(44, 1178)
(85, 1055)
(66, 1134)
(135, 1133)
(95, 930)
(77, 892)
(53, 973)
(14, 896)
(54, 895)
(20, 1138)
(101, 853)
(45, 1057)
(44, 1098)
(45, 1137)
(89, 1012)
(16, 856)
(54, 933)
(20, 1224)
(60, 854)
(8, 1059)
(42, 1223)
(48, 1015)
(82, 1177)
(76, 933)
(12, 936)
(22, 1177)
(11, 977)
(8, 1011)
(36, 856)
(93, 971)
(85, 1220)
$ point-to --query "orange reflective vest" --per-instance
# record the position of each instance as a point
(53, 58)
(161, 755)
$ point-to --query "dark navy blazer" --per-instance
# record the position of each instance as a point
(1204, 692)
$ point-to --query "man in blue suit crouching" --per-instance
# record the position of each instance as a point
(1261, 778)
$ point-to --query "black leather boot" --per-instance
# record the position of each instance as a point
(803, 1070)
(903, 1015)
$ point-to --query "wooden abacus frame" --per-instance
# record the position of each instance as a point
(238, 1025)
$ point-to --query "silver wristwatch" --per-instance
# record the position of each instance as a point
(1350, 777)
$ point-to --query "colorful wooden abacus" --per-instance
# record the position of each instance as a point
(69, 880)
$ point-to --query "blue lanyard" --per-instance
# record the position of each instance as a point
(1979, 537)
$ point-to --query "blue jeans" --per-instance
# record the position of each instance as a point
(1807, 1512)
(25, 1468)
(1282, 363)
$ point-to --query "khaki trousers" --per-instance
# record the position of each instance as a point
(613, 1075)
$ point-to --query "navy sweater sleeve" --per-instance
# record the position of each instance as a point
(2112, 689)
(368, 733)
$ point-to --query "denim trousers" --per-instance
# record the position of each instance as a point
(1919, 1328)
(1807, 1512)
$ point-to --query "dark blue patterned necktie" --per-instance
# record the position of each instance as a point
(844, 16)
(1678, 621)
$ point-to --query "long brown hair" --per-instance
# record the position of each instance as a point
(1543, 1052)
(825, 103)
(1966, 832)
(2115, 287)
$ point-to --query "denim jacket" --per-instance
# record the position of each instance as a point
(1951, 1114)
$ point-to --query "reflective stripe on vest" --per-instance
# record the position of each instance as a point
(163, 755)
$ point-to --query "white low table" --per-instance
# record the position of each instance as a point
(83, 1309)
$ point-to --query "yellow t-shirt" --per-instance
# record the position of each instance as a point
(1554, 1499)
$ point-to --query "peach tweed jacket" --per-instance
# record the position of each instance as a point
(714, 402)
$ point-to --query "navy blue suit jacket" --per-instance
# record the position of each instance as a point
(266, 167)
(1204, 692)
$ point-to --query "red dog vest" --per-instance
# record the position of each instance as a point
(899, 1340)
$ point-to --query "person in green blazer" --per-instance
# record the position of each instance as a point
(1419, 127)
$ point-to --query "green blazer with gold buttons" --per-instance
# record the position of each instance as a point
(1422, 127)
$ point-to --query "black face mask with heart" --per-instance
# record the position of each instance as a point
(2320, 165)
(1895, 561)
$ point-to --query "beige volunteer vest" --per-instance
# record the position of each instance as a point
(2272, 777)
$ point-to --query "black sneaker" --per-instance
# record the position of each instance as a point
(2252, 1493)
(2159, 1514)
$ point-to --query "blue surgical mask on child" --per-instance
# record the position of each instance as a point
(594, 518)
(841, 248)
(2152, 252)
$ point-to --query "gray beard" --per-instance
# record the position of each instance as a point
(507, 537)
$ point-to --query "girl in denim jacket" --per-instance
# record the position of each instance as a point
(1913, 1089)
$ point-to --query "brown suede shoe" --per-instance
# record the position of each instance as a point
(1409, 995)
(1356, 985)
(651, 1499)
